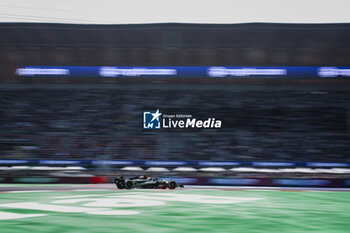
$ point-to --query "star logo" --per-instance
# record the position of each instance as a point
(152, 120)
(156, 115)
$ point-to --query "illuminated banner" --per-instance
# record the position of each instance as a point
(184, 71)
(202, 163)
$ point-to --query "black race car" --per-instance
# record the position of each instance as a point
(145, 182)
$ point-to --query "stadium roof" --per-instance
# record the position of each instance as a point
(180, 11)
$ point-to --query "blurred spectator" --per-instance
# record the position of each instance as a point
(106, 124)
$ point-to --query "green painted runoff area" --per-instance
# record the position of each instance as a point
(92, 211)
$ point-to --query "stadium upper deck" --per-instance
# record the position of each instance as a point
(173, 44)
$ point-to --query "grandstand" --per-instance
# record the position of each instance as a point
(289, 125)
(299, 120)
(252, 44)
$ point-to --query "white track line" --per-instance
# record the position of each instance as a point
(8, 216)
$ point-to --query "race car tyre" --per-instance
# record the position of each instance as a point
(120, 185)
(172, 184)
(129, 184)
(162, 185)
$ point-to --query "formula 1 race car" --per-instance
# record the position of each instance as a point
(145, 182)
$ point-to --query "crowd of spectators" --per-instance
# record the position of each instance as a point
(172, 45)
(259, 125)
